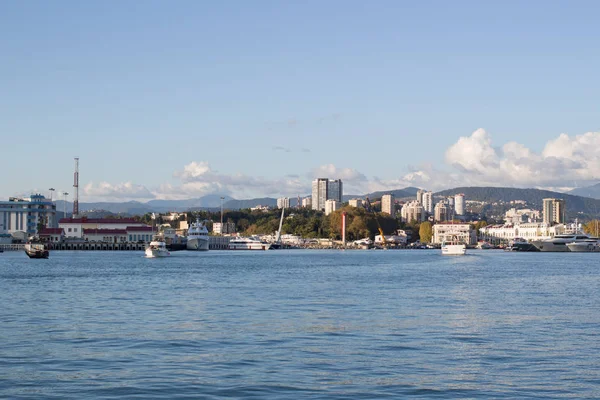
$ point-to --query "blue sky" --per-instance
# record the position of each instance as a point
(179, 99)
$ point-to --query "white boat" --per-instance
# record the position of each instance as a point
(586, 246)
(248, 243)
(453, 247)
(197, 238)
(157, 248)
(559, 242)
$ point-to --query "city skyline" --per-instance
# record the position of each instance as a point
(250, 100)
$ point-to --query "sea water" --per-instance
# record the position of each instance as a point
(300, 324)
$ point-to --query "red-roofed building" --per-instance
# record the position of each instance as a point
(74, 227)
(54, 235)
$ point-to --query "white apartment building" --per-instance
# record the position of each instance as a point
(331, 206)
(227, 228)
(283, 202)
(388, 204)
(24, 214)
(515, 216)
(427, 202)
(448, 231)
(443, 212)
(413, 211)
(307, 202)
(324, 189)
(497, 234)
(459, 204)
(420, 196)
(355, 203)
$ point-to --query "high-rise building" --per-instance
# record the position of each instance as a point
(324, 189)
(554, 211)
(459, 204)
(307, 202)
(412, 211)
(388, 204)
(427, 202)
(442, 212)
(420, 196)
(283, 202)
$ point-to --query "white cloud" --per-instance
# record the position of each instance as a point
(564, 163)
(120, 191)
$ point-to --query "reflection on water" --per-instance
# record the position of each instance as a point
(300, 324)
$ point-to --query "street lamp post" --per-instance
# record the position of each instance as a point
(65, 205)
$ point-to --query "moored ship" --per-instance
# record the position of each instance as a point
(197, 238)
(248, 243)
(559, 242)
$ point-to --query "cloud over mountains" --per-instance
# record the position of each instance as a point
(565, 162)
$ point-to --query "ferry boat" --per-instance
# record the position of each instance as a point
(36, 250)
(248, 243)
(157, 248)
(559, 242)
(197, 238)
(454, 247)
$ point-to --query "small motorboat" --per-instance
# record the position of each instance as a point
(36, 250)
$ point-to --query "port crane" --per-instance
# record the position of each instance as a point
(369, 208)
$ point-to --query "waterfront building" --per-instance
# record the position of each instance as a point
(23, 215)
(554, 211)
(227, 228)
(52, 235)
(283, 202)
(448, 231)
(503, 233)
(388, 204)
(307, 202)
(324, 189)
(459, 204)
(427, 202)
(331, 205)
(74, 227)
(413, 211)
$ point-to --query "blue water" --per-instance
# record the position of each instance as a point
(300, 325)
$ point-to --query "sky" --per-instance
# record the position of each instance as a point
(176, 100)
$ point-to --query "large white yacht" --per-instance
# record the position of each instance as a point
(248, 243)
(157, 248)
(197, 238)
(586, 246)
(559, 242)
(454, 247)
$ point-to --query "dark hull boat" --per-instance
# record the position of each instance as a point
(34, 250)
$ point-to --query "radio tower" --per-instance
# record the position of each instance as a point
(76, 186)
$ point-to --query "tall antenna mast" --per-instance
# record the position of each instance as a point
(76, 186)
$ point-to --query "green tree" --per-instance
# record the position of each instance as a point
(592, 227)
(426, 232)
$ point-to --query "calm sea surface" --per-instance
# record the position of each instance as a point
(300, 324)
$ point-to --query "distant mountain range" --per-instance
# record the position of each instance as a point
(575, 203)
(589, 191)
